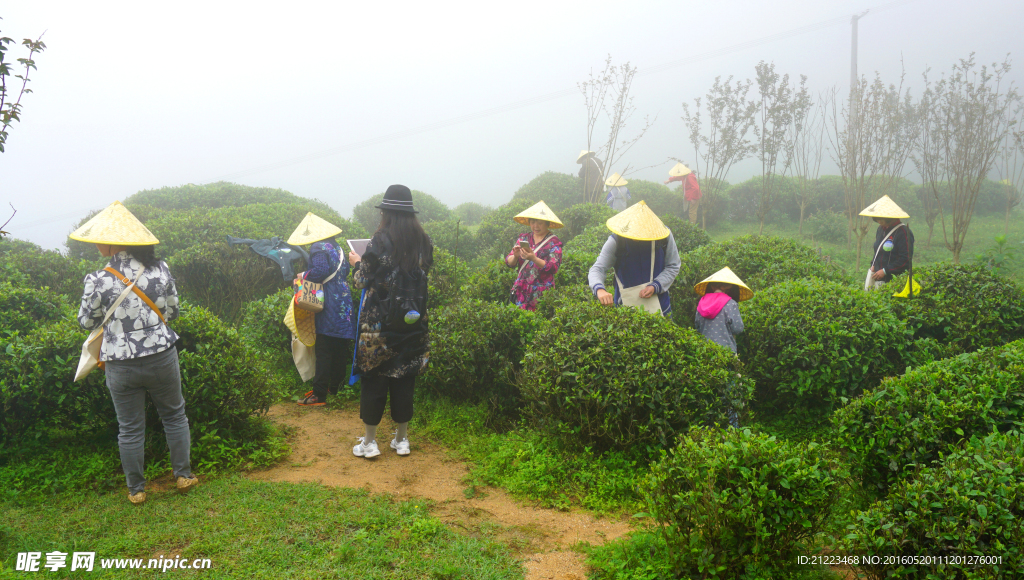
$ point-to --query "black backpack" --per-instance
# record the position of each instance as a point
(407, 296)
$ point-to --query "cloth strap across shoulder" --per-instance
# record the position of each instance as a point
(879, 249)
(535, 250)
(138, 292)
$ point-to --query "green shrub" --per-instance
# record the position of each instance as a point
(471, 212)
(969, 505)
(498, 231)
(443, 236)
(827, 226)
(619, 377)
(27, 265)
(581, 217)
(22, 308)
(809, 343)
(262, 328)
(475, 352)
(429, 207)
(492, 283)
(446, 278)
(641, 555)
(910, 420)
(760, 261)
(738, 504)
(590, 241)
(663, 201)
(574, 268)
(559, 190)
(688, 237)
(559, 297)
(965, 306)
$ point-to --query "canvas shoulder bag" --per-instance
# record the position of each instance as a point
(90, 358)
(310, 295)
(869, 281)
(631, 296)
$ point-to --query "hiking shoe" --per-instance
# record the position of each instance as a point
(137, 498)
(366, 450)
(185, 484)
(312, 400)
(401, 447)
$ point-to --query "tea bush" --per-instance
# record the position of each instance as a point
(471, 212)
(910, 420)
(827, 226)
(559, 297)
(619, 378)
(443, 236)
(559, 190)
(498, 230)
(968, 505)
(574, 268)
(741, 504)
(760, 261)
(688, 237)
(446, 278)
(27, 265)
(965, 306)
(809, 343)
(581, 217)
(590, 241)
(492, 283)
(22, 308)
(262, 328)
(663, 201)
(475, 352)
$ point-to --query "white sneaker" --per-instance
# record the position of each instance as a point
(366, 450)
(401, 447)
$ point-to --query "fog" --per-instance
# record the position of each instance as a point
(465, 101)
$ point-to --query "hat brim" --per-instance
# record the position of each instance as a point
(745, 293)
(552, 225)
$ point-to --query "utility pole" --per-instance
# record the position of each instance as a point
(853, 61)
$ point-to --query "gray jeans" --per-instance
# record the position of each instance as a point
(128, 382)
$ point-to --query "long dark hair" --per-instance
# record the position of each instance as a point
(145, 254)
(410, 242)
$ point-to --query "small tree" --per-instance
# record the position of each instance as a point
(730, 117)
(872, 139)
(775, 114)
(965, 118)
(807, 134)
(608, 93)
(11, 111)
(1010, 163)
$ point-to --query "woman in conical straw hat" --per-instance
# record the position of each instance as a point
(393, 343)
(689, 187)
(591, 175)
(646, 261)
(894, 242)
(718, 314)
(618, 195)
(137, 352)
(537, 253)
(335, 324)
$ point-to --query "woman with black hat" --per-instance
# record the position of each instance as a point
(392, 340)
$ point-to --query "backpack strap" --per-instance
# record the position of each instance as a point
(140, 293)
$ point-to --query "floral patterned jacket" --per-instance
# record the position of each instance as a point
(134, 330)
(532, 281)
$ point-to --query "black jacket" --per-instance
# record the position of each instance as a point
(897, 260)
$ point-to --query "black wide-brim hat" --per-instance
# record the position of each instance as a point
(397, 198)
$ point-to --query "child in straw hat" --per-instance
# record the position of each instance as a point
(718, 314)
(138, 347)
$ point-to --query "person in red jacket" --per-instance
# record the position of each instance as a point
(691, 189)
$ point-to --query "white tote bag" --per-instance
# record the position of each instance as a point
(631, 296)
(304, 358)
(90, 358)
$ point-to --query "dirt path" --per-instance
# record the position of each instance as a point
(322, 452)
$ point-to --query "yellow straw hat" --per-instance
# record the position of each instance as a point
(313, 229)
(679, 170)
(539, 211)
(583, 154)
(727, 276)
(302, 323)
(638, 222)
(884, 208)
(115, 225)
(615, 181)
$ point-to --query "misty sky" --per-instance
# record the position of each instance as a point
(141, 95)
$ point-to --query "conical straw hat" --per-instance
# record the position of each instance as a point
(583, 154)
(727, 276)
(539, 211)
(302, 323)
(115, 225)
(638, 222)
(679, 170)
(615, 181)
(313, 229)
(884, 208)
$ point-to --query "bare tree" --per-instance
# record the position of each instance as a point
(1010, 163)
(871, 140)
(11, 111)
(807, 134)
(730, 117)
(965, 118)
(774, 116)
(607, 94)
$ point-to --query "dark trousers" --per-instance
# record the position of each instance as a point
(374, 396)
(332, 356)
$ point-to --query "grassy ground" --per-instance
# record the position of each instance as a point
(251, 529)
(980, 238)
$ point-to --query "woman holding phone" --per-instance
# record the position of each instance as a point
(537, 253)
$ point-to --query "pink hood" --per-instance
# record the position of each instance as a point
(711, 304)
